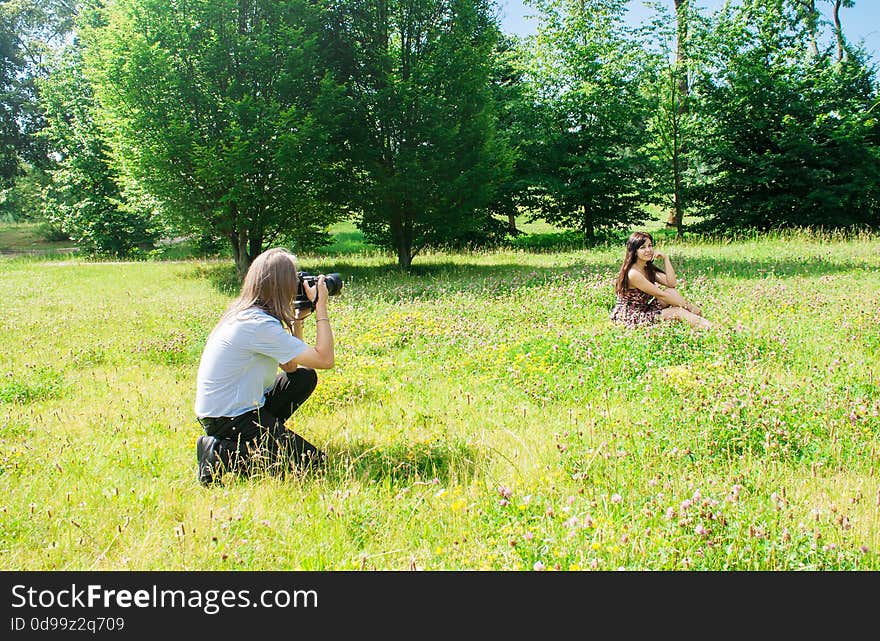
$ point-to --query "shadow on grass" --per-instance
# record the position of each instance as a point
(396, 465)
(808, 267)
(222, 277)
(404, 463)
(388, 282)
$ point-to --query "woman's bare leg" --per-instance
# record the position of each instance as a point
(680, 301)
(680, 313)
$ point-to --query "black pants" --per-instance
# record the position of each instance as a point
(258, 439)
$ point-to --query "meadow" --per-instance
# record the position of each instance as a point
(483, 414)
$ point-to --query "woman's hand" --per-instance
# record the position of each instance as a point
(318, 293)
(299, 315)
(658, 255)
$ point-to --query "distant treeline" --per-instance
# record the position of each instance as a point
(259, 122)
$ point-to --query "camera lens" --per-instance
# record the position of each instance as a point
(334, 283)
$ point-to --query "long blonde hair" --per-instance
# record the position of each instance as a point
(270, 284)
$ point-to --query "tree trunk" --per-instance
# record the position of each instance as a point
(679, 151)
(812, 21)
(240, 253)
(587, 223)
(838, 30)
(246, 241)
(511, 224)
(255, 244)
(402, 240)
(241, 244)
(677, 214)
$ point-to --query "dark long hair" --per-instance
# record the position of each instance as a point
(636, 240)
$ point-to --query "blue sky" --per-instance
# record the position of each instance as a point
(862, 22)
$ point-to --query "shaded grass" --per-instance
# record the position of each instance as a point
(29, 237)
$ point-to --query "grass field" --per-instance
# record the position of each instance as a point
(30, 238)
(483, 414)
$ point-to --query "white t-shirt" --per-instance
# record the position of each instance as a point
(240, 362)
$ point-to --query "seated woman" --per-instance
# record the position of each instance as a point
(640, 298)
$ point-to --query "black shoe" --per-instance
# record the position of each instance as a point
(207, 457)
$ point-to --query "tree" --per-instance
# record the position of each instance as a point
(10, 105)
(811, 16)
(681, 89)
(593, 169)
(838, 27)
(517, 117)
(29, 30)
(791, 141)
(224, 112)
(672, 107)
(424, 148)
(83, 199)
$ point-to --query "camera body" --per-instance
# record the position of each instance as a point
(333, 282)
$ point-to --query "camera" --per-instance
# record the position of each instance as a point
(333, 282)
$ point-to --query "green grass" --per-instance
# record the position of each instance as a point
(29, 238)
(483, 414)
(347, 240)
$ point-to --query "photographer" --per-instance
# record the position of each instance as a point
(242, 400)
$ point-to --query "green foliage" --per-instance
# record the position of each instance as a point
(517, 120)
(12, 95)
(23, 201)
(253, 123)
(426, 159)
(222, 111)
(21, 392)
(84, 200)
(789, 136)
(589, 170)
(674, 51)
(33, 238)
(29, 29)
(553, 241)
(30, 385)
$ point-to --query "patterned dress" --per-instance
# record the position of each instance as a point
(635, 307)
